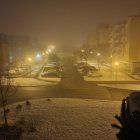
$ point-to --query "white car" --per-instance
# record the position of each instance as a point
(49, 71)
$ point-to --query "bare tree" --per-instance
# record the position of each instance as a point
(6, 89)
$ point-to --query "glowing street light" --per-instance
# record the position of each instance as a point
(116, 63)
(91, 52)
(46, 52)
(30, 59)
(98, 54)
(85, 53)
(111, 57)
(49, 50)
(82, 50)
(38, 56)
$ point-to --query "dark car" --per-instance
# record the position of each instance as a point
(88, 68)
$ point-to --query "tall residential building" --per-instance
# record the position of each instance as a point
(98, 40)
(132, 45)
(4, 52)
(117, 37)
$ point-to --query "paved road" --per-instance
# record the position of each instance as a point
(71, 86)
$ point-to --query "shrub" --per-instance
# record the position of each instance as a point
(7, 110)
(18, 107)
(10, 132)
(28, 103)
(129, 128)
(48, 99)
(21, 121)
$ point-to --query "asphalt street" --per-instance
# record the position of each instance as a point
(72, 85)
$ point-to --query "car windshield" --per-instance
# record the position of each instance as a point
(50, 68)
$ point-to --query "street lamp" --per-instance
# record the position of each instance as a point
(49, 50)
(38, 55)
(111, 64)
(116, 66)
(91, 52)
(82, 50)
(46, 52)
(98, 56)
(30, 60)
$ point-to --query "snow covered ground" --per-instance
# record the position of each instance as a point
(105, 71)
(107, 76)
(68, 119)
(30, 82)
(49, 79)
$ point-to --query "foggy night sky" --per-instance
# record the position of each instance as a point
(62, 21)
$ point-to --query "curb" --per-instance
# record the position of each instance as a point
(30, 85)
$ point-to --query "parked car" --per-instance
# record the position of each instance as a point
(80, 66)
(51, 71)
(90, 71)
(88, 68)
(14, 71)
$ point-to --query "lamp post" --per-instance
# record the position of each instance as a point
(91, 52)
(98, 56)
(111, 64)
(83, 51)
(30, 60)
(49, 50)
(116, 66)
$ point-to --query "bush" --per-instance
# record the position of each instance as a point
(31, 126)
(28, 103)
(18, 107)
(129, 128)
(10, 132)
(48, 99)
(7, 110)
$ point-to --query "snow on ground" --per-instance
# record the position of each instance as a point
(30, 82)
(135, 87)
(105, 71)
(50, 79)
(69, 119)
(106, 76)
